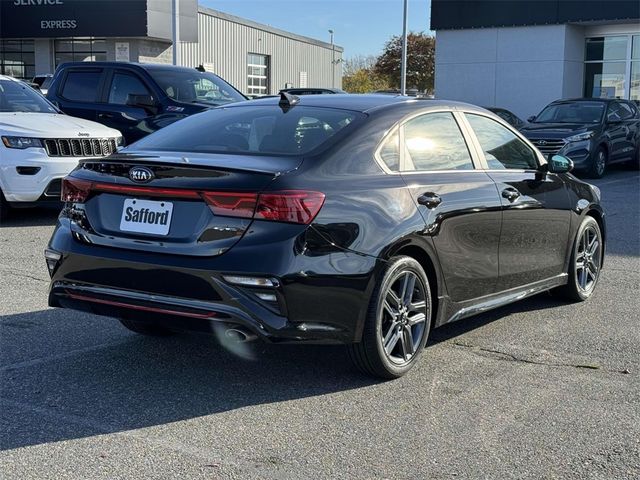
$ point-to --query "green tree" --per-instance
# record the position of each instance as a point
(420, 61)
(363, 81)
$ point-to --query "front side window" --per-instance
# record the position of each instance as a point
(251, 129)
(124, 85)
(20, 97)
(501, 147)
(82, 86)
(434, 142)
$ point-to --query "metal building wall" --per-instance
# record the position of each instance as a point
(224, 42)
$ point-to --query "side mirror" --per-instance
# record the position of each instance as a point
(142, 101)
(531, 118)
(559, 164)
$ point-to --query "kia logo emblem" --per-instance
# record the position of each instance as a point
(542, 142)
(141, 174)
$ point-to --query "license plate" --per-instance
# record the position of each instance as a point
(145, 216)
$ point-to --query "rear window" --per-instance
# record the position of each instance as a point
(82, 86)
(252, 129)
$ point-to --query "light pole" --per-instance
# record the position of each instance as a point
(333, 61)
(175, 30)
(403, 65)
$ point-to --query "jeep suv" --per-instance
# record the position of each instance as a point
(593, 132)
(136, 99)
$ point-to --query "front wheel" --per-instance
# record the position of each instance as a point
(586, 262)
(4, 207)
(397, 323)
(598, 163)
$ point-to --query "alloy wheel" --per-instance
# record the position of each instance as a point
(588, 259)
(601, 162)
(403, 317)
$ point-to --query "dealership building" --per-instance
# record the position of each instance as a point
(522, 54)
(38, 35)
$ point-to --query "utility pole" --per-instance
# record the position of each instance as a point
(333, 61)
(175, 30)
(403, 67)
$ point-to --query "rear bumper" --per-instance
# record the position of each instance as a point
(318, 301)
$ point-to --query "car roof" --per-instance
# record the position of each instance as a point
(586, 99)
(367, 102)
(143, 66)
(7, 77)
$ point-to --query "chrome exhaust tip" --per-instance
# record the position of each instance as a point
(238, 335)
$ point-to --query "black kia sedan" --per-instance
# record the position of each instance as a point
(593, 132)
(357, 219)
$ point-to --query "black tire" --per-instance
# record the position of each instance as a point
(583, 280)
(145, 328)
(599, 162)
(4, 207)
(635, 163)
(402, 327)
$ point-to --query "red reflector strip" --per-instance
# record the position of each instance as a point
(149, 191)
(166, 311)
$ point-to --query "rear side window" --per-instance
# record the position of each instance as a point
(434, 142)
(501, 147)
(82, 86)
(264, 129)
(124, 85)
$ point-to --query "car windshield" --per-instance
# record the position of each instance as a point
(579, 112)
(264, 129)
(20, 97)
(193, 86)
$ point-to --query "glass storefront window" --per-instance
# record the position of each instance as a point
(605, 80)
(257, 74)
(606, 48)
(80, 50)
(17, 58)
(634, 92)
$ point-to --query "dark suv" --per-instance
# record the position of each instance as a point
(592, 132)
(136, 99)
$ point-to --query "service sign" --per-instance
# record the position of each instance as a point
(72, 18)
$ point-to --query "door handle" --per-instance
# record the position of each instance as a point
(429, 200)
(510, 194)
(105, 115)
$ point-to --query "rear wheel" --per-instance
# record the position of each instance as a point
(598, 163)
(397, 323)
(586, 261)
(145, 328)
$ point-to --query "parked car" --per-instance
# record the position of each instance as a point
(509, 117)
(305, 219)
(593, 132)
(136, 99)
(40, 145)
(43, 81)
(312, 91)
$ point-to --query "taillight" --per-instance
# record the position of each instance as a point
(231, 204)
(75, 190)
(293, 206)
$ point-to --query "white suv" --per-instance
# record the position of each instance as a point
(39, 145)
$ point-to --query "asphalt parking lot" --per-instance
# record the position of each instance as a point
(539, 389)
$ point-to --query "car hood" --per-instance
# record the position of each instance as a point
(51, 125)
(556, 130)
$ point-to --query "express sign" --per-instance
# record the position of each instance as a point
(77, 18)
